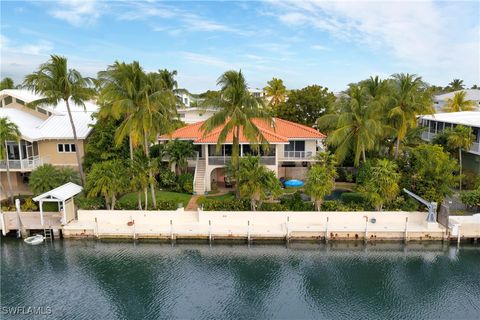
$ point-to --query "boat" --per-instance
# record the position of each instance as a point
(36, 239)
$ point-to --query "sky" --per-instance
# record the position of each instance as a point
(326, 43)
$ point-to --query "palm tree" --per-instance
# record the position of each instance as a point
(320, 179)
(169, 78)
(144, 103)
(178, 152)
(410, 100)
(358, 126)
(460, 138)
(237, 109)
(456, 85)
(7, 83)
(383, 182)
(56, 83)
(256, 181)
(458, 103)
(8, 132)
(276, 91)
(107, 179)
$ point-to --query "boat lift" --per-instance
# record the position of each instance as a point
(432, 206)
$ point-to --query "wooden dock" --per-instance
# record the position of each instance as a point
(27, 221)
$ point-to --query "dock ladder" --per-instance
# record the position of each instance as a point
(47, 234)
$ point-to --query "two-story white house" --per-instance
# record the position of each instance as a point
(437, 123)
(189, 109)
(46, 136)
(292, 147)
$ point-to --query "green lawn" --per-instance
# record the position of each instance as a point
(161, 196)
(226, 196)
(290, 190)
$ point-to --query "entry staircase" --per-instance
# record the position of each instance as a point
(199, 179)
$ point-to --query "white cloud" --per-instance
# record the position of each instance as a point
(77, 12)
(418, 33)
(207, 60)
(319, 47)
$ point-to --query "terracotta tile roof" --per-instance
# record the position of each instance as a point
(282, 131)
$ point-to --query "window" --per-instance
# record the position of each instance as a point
(295, 146)
(8, 100)
(66, 147)
(20, 101)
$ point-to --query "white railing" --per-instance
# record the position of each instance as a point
(24, 164)
(427, 136)
(297, 154)
(223, 160)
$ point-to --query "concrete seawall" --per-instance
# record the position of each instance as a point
(254, 225)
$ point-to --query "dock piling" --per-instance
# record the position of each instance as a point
(406, 228)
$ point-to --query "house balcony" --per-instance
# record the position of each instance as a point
(297, 155)
(22, 164)
(223, 160)
(474, 148)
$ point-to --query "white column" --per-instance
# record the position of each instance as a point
(41, 212)
(20, 151)
(64, 213)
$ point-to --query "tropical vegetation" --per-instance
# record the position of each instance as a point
(8, 132)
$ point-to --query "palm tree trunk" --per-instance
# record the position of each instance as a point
(150, 174)
(139, 194)
(77, 150)
(236, 160)
(10, 191)
(145, 191)
(397, 148)
(364, 158)
(318, 205)
(252, 204)
(460, 160)
(114, 199)
(130, 145)
(107, 205)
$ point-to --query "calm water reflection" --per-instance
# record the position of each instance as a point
(112, 280)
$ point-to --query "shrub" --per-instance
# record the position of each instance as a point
(131, 203)
(224, 205)
(96, 203)
(295, 202)
(47, 177)
(470, 180)
(272, 206)
(185, 183)
(167, 180)
(471, 198)
(353, 197)
(29, 205)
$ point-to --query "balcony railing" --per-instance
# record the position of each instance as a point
(297, 155)
(223, 160)
(428, 136)
(24, 164)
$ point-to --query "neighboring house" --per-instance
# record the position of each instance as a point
(46, 135)
(188, 108)
(436, 123)
(471, 94)
(292, 147)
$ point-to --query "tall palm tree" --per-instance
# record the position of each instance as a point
(120, 94)
(169, 78)
(458, 103)
(460, 138)
(236, 110)
(456, 85)
(358, 126)
(153, 114)
(410, 99)
(8, 132)
(276, 91)
(56, 83)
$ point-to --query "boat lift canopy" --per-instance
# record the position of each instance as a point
(60, 195)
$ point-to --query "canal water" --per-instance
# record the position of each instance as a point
(74, 279)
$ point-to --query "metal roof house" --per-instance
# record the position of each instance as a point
(46, 135)
(437, 123)
(440, 100)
